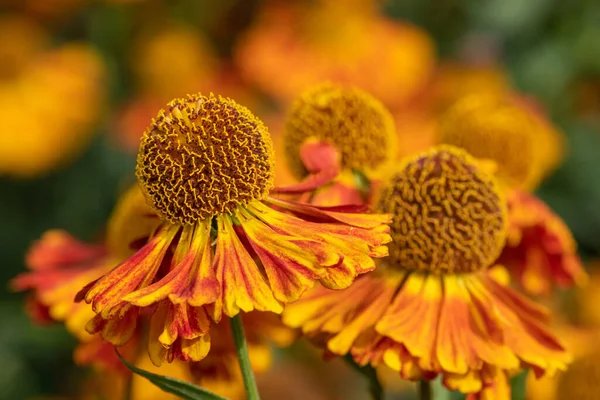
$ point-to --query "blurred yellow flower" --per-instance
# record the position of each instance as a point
(49, 110)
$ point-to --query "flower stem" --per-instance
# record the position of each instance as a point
(239, 338)
(370, 374)
(425, 390)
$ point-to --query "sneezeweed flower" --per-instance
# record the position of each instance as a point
(540, 250)
(205, 165)
(506, 130)
(435, 305)
(33, 103)
(293, 46)
(333, 131)
(60, 265)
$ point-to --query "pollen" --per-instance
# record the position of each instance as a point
(449, 216)
(203, 156)
(356, 123)
(489, 126)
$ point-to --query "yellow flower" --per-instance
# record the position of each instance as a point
(506, 130)
(433, 307)
(33, 104)
(205, 166)
(293, 46)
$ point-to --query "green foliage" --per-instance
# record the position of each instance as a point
(184, 390)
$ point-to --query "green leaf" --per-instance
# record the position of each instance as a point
(185, 390)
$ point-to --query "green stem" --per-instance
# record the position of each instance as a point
(127, 394)
(239, 338)
(425, 390)
(368, 372)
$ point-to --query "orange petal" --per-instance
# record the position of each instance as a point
(412, 319)
(323, 163)
(242, 285)
(136, 272)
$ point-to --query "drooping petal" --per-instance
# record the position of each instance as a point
(241, 283)
(191, 278)
(323, 163)
(106, 295)
(540, 250)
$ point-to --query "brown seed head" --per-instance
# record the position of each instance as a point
(203, 156)
(449, 216)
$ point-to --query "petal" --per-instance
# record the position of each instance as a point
(412, 319)
(116, 330)
(191, 277)
(321, 160)
(290, 269)
(242, 285)
(136, 272)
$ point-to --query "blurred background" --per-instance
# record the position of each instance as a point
(81, 79)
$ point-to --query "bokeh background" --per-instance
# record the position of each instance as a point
(80, 80)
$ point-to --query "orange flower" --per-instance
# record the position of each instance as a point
(333, 135)
(60, 265)
(433, 307)
(293, 46)
(540, 250)
(224, 245)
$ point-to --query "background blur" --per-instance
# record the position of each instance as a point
(80, 80)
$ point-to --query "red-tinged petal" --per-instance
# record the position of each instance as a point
(132, 274)
(178, 331)
(323, 163)
(367, 221)
(117, 331)
(242, 285)
(524, 332)
(290, 269)
(412, 319)
(337, 193)
(540, 250)
(469, 336)
(191, 278)
(57, 249)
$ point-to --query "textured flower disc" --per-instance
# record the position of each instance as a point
(491, 127)
(582, 380)
(449, 216)
(356, 123)
(203, 156)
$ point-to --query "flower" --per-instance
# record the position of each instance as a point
(332, 133)
(33, 103)
(540, 250)
(434, 306)
(205, 166)
(293, 46)
(60, 265)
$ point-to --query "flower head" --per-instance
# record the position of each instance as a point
(489, 126)
(202, 157)
(351, 120)
(435, 306)
(223, 245)
(449, 215)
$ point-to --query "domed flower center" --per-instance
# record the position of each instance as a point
(356, 123)
(203, 156)
(490, 126)
(448, 215)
